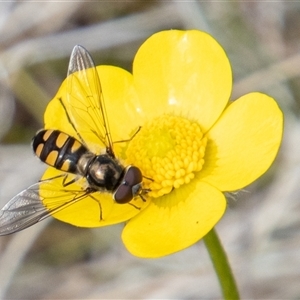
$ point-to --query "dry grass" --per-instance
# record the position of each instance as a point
(261, 229)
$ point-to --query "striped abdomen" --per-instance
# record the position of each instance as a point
(58, 149)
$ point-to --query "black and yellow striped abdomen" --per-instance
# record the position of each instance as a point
(58, 149)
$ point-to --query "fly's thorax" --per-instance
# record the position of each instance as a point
(104, 173)
(84, 163)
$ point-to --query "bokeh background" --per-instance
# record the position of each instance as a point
(261, 228)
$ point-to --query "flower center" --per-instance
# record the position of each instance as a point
(169, 150)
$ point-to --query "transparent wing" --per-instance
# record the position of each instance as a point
(84, 103)
(26, 208)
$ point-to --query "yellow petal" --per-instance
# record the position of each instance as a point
(121, 101)
(185, 73)
(175, 221)
(95, 211)
(243, 143)
(55, 116)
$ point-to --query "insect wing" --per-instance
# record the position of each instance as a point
(26, 208)
(22, 211)
(84, 103)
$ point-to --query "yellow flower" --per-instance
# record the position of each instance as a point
(193, 144)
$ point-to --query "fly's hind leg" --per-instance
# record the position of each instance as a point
(66, 183)
(64, 177)
(71, 122)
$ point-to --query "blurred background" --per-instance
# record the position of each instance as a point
(261, 228)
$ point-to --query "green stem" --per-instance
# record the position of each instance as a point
(221, 265)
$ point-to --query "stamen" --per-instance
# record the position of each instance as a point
(169, 150)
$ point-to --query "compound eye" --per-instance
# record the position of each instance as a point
(133, 176)
(130, 186)
(123, 194)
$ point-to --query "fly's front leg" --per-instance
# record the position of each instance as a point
(128, 140)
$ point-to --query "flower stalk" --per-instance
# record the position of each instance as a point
(221, 265)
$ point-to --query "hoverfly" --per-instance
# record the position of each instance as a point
(103, 173)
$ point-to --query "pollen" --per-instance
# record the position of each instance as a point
(169, 151)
